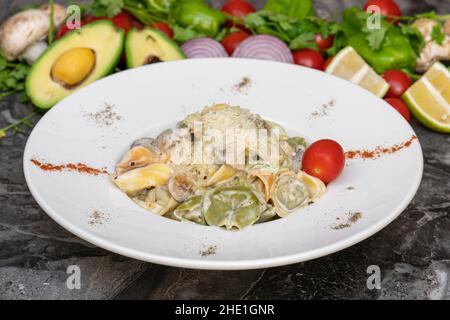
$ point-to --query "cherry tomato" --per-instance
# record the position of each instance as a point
(400, 106)
(136, 24)
(387, 7)
(231, 41)
(309, 58)
(238, 8)
(163, 27)
(123, 21)
(90, 18)
(323, 43)
(62, 31)
(327, 62)
(324, 159)
(87, 19)
(399, 82)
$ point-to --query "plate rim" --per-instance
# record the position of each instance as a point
(206, 264)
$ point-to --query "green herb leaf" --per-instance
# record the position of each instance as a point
(181, 34)
(292, 8)
(375, 37)
(254, 20)
(340, 42)
(437, 34)
(106, 8)
(15, 127)
(303, 41)
(416, 39)
(426, 15)
(12, 77)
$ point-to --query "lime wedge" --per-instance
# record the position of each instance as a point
(429, 98)
(349, 65)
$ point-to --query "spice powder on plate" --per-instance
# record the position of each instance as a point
(105, 117)
(69, 167)
(379, 151)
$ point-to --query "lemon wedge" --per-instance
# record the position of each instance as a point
(349, 65)
(429, 98)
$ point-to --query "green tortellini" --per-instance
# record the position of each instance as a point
(230, 207)
(191, 210)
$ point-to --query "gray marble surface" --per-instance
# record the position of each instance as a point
(413, 252)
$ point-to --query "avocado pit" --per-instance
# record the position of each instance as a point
(152, 59)
(73, 67)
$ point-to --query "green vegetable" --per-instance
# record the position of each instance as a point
(297, 9)
(197, 16)
(181, 34)
(294, 142)
(12, 77)
(416, 39)
(51, 29)
(161, 6)
(437, 34)
(106, 8)
(298, 34)
(425, 15)
(385, 48)
(340, 40)
(16, 126)
(233, 207)
(146, 11)
(191, 210)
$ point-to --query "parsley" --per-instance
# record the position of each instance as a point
(17, 127)
(106, 8)
(340, 42)
(254, 20)
(416, 39)
(303, 41)
(181, 34)
(12, 77)
(375, 36)
(437, 34)
(297, 33)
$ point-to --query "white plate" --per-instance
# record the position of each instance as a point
(152, 98)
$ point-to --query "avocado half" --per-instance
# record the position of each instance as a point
(102, 37)
(148, 46)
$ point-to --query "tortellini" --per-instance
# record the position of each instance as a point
(221, 194)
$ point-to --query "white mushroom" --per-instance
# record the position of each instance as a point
(21, 33)
(181, 187)
(447, 27)
(432, 52)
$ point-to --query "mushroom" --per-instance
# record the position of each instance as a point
(22, 35)
(432, 52)
(447, 27)
(181, 187)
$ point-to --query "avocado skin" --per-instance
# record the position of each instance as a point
(45, 105)
(162, 37)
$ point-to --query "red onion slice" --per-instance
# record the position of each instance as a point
(264, 47)
(203, 48)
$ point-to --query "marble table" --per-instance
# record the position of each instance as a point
(413, 252)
